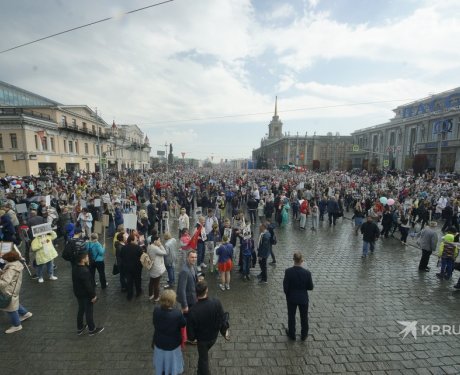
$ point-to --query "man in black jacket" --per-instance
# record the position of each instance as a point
(370, 232)
(296, 284)
(203, 324)
(85, 291)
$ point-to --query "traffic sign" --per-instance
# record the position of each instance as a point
(355, 148)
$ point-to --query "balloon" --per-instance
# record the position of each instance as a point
(383, 200)
(391, 202)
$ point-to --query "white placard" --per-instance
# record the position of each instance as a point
(97, 203)
(130, 221)
(83, 203)
(6, 247)
(38, 230)
(165, 215)
(21, 208)
(48, 200)
(198, 211)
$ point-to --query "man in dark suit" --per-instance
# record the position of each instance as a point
(203, 325)
(186, 292)
(296, 284)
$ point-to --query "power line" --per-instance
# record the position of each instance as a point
(86, 25)
(265, 113)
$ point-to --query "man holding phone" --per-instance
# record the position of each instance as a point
(85, 291)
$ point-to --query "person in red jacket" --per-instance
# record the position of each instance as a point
(304, 211)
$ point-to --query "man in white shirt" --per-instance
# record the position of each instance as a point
(210, 220)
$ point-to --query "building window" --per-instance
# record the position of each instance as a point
(64, 120)
(76, 147)
(14, 140)
(45, 144)
(86, 149)
(36, 141)
(94, 148)
(2, 166)
(52, 144)
(70, 147)
(74, 122)
(65, 146)
(84, 126)
(97, 150)
(1, 141)
(94, 129)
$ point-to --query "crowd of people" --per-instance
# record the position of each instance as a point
(226, 224)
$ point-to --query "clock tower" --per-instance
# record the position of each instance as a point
(275, 128)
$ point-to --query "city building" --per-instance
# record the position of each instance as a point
(319, 152)
(411, 138)
(37, 134)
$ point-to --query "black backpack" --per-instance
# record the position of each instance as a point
(73, 248)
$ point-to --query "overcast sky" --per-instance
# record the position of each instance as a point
(202, 59)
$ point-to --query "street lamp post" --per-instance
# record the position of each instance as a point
(101, 175)
(166, 156)
(438, 155)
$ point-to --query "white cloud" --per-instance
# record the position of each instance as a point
(136, 69)
(282, 12)
(425, 39)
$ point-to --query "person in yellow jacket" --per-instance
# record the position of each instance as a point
(448, 252)
(45, 252)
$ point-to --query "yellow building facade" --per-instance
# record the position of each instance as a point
(51, 136)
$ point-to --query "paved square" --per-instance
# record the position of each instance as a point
(354, 310)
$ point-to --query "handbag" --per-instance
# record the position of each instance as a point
(115, 269)
(146, 261)
(5, 299)
(183, 333)
(225, 325)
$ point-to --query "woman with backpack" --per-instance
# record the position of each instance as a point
(96, 254)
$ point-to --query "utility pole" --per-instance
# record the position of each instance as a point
(166, 156)
(101, 175)
(438, 155)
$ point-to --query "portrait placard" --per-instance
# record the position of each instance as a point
(41, 229)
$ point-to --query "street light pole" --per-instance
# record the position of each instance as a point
(166, 156)
(438, 155)
(99, 151)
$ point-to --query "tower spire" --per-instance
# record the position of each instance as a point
(276, 106)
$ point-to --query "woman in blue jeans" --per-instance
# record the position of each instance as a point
(10, 284)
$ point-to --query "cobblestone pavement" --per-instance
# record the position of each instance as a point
(354, 310)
